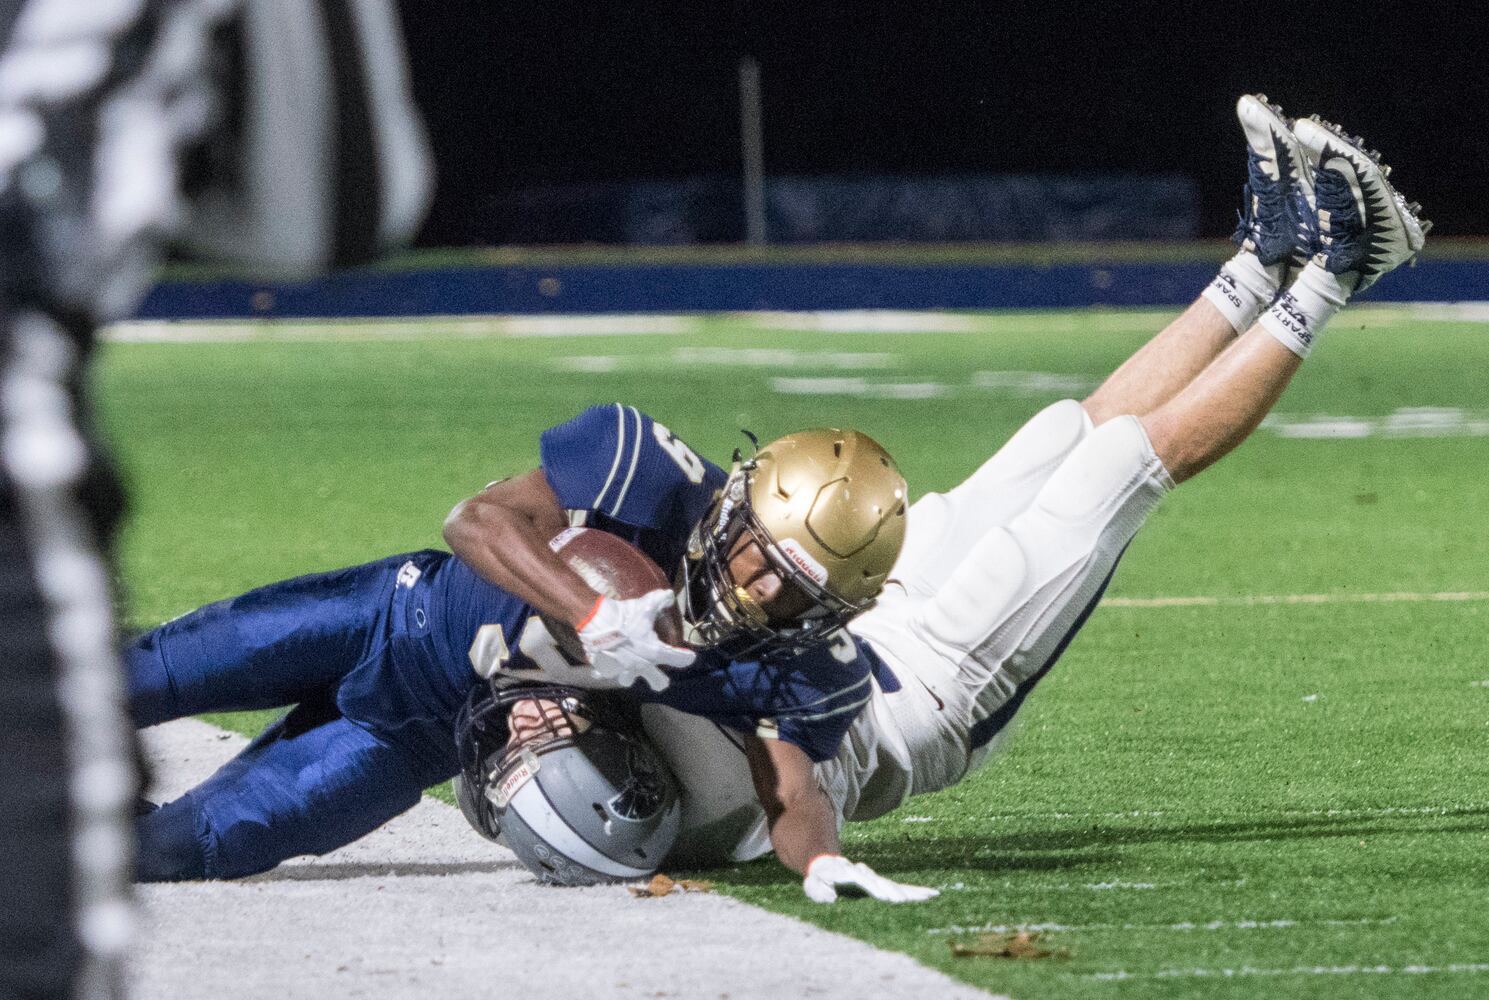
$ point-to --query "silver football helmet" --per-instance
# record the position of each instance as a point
(581, 800)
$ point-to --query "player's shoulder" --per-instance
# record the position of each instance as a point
(825, 674)
(603, 419)
(617, 459)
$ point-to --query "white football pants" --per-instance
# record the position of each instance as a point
(998, 575)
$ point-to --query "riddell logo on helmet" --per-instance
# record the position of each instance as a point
(520, 776)
(802, 560)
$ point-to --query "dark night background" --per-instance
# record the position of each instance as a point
(524, 95)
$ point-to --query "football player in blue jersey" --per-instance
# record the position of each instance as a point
(378, 659)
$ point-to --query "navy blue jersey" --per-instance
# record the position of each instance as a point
(627, 474)
(809, 700)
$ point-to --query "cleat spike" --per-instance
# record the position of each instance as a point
(1385, 170)
(1414, 207)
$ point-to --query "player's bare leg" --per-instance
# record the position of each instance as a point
(1363, 230)
(1163, 365)
(1279, 190)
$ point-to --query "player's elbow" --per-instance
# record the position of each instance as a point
(474, 523)
(791, 796)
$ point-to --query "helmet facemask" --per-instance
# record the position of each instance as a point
(486, 745)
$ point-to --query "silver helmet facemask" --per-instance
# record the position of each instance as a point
(483, 741)
(718, 612)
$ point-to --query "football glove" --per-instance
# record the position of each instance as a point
(828, 872)
(620, 640)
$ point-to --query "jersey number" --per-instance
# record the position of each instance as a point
(488, 651)
(686, 458)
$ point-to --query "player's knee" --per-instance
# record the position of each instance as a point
(1173, 446)
(1040, 444)
(152, 696)
(1050, 434)
(172, 843)
(1115, 459)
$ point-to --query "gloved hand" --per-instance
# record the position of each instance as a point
(620, 640)
(829, 871)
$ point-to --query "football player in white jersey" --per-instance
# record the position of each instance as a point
(998, 574)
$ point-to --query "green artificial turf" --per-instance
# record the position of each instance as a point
(1232, 801)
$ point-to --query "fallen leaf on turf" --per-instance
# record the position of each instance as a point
(1020, 945)
(661, 885)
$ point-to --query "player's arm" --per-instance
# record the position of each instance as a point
(798, 812)
(803, 826)
(502, 534)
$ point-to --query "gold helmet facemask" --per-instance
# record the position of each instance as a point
(827, 510)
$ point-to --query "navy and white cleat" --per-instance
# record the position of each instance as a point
(1278, 198)
(1362, 225)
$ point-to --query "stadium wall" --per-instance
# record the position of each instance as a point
(517, 284)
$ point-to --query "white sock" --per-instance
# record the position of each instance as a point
(1299, 314)
(1243, 288)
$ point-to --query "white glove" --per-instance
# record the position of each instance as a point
(829, 871)
(620, 640)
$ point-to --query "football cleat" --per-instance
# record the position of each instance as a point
(1277, 202)
(1361, 225)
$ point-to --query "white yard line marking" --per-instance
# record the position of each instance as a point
(866, 321)
(1108, 886)
(1405, 422)
(731, 357)
(1247, 971)
(1440, 312)
(772, 357)
(1459, 809)
(1252, 600)
(852, 386)
(1034, 383)
(1182, 927)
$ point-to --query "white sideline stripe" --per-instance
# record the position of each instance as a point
(1183, 926)
(412, 329)
(1253, 600)
(863, 321)
(1246, 971)
(424, 907)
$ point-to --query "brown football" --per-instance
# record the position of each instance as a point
(615, 568)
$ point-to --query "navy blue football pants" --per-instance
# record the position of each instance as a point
(310, 782)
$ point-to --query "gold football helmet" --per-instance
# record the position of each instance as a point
(827, 509)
